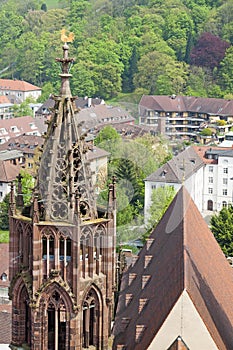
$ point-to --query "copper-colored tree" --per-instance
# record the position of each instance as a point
(209, 51)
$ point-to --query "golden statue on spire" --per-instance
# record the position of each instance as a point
(66, 38)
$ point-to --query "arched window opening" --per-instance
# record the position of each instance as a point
(69, 253)
(51, 248)
(44, 248)
(4, 277)
(48, 250)
(57, 323)
(224, 204)
(91, 322)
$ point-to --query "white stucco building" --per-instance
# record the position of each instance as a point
(206, 172)
(19, 88)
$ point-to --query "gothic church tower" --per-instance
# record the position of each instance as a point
(62, 256)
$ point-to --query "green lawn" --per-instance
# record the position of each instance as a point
(4, 236)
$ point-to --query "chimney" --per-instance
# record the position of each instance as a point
(89, 102)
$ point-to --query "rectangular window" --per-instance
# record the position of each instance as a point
(224, 192)
(224, 181)
(225, 170)
(210, 190)
(1, 184)
(1, 194)
(211, 180)
(211, 168)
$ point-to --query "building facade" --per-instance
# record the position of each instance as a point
(206, 173)
(183, 116)
(62, 256)
(19, 88)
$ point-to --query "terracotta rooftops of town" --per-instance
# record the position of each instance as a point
(180, 256)
(8, 171)
(179, 168)
(209, 155)
(17, 126)
(17, 85)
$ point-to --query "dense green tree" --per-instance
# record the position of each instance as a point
(161, 74)
(27, 185)
(206, 132)
(226, 71)
(4, 215)
(222, 227)
(11, 25)
(109, 134)
(129, 72)
(197, 82)
(161, 198)
(178, 25)
(23, 109)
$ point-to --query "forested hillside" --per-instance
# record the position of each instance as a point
(122, 46)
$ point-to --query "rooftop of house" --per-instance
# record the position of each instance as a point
(17, 126)
(181, 255)
(131, 130)
(100, 115)
(8, 171)
(5, 322)
(17, 85)
(96, 153)
(210, 155)
(4, 100)
(23, 144)
(210, 106)
(179, 168)
(9, 154)
(80, 102)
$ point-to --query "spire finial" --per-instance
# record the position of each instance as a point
(66, 62)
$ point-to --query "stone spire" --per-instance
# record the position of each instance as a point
(63, 172)
(65, 66)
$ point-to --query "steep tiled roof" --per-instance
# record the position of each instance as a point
(96, 153)
(101, 115)
(17, 126)
(5, 324)
(181, 254)
(17, 85)
(80, 102)
(6, 154)
(202, 151)
(211, 106)
(23, 143)
(163, 103)
(178, 168)
(8, 171)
